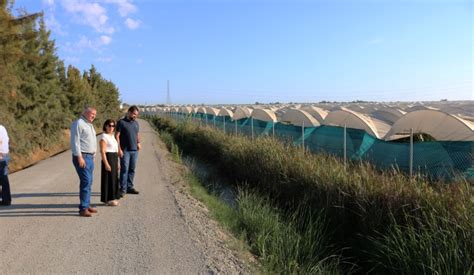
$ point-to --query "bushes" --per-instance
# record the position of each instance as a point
(371, 213)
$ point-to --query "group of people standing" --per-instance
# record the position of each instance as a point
(119, 141)
(119, 146)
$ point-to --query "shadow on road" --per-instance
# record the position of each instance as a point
(19, 214)
(64, 194)
(39, 210)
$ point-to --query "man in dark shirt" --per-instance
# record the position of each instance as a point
(129, 145)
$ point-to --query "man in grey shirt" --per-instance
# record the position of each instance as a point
(84, 147)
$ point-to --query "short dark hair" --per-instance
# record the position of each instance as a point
(133, 108)
(107, 122)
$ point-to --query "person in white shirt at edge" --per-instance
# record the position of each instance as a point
(109, 182)
(4, 158)
(84, 147)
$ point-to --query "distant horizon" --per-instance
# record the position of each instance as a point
(321, 102)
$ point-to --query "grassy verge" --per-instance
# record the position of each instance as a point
(284, 244)
(381, 222)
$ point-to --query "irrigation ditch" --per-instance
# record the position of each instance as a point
(301, 213)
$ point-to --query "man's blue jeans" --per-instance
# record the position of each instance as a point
(6, 195)
(85, 176)
(127, 169)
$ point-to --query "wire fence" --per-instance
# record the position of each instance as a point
(439, 160)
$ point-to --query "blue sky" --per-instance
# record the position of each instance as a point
(243, 51)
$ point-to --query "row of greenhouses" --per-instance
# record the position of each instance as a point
(425, 140)
(386, 123)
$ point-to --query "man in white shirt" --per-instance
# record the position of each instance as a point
(4, 158)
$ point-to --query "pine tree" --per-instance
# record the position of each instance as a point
(77, 91)
(38, 96)
(13, 35)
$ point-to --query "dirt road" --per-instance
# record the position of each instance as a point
(148, 233)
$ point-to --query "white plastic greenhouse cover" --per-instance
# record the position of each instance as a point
(299, 117)
(225, 112)
(419, 108)
(440, 125)
(356, 121)
(466, 110)
(388, 114)
(241, 112)
(186, 110)
(318, 113)
(212, 111)
(264, 115)
(355, 107)
(280, 112)
(201, 110)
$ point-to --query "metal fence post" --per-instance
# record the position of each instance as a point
(235, 122)
(273, 129)
(224, 123)
(251, 122)
(345, 146)
(302, 136)
(411, 153)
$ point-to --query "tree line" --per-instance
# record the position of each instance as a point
(39, 96)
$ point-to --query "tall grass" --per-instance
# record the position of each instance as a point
(290, 244)
(434, 246)
(167, 139)
(371, 214)
(286, 244)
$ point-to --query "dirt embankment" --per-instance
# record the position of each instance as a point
(19, 162)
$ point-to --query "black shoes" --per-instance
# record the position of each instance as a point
(129, 191)
(132, 191)
(5, 203)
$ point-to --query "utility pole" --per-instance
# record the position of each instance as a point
(168, 97)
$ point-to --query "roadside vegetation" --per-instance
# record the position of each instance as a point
(306, 213)
(39, 96)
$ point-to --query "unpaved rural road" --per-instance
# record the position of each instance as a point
(153, 232)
